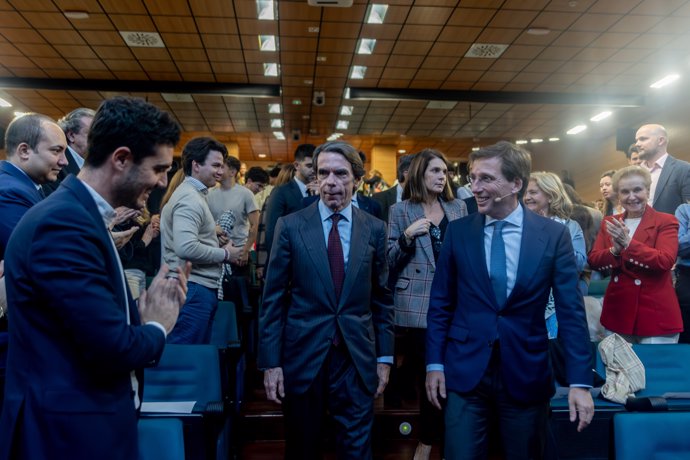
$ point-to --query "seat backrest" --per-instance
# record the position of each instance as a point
(161, 438)
(224, 331)
(185, 373)
(667, 368)
(651, 435)
(597, 288)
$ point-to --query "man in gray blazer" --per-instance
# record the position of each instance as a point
(670, 176)
(327, 315)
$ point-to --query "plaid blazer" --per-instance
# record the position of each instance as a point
(414, 270)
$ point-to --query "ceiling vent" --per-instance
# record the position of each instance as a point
(336, 3)
(486, 50)
(143, 39)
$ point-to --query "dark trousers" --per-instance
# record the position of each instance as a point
(683, 293)
(339, 390)
(523, 427)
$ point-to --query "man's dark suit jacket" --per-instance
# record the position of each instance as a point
(365, 204)
(71, 168)
(17, 195)
(71, 352)
(464, 318)
(386, 199)
(282, 201)
(300, 313)
(673, 188)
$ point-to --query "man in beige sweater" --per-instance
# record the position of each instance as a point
(188, 233)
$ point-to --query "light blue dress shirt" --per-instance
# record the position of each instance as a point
(302, 187)
(77, 158)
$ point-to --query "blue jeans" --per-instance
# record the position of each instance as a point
(196, 316)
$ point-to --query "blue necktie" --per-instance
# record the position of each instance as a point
(499, 277)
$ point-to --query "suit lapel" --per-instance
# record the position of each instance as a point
(646, 229)
(414, 213)
(313, 239)
(532, 247)
(359, 240)
(663, 177)
(475, 252)
(11, 170)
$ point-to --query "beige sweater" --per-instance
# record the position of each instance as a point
(188, 233)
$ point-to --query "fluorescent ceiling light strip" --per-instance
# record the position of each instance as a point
(601, 116)
(576, 129)
(667, 80)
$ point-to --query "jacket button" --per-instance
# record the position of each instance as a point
(638, 282)
(615, 279)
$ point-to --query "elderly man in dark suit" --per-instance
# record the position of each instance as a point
(77, 340)
(327, 315)
(670, 176)
(487, 350)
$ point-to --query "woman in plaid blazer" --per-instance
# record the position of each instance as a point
(415, 233)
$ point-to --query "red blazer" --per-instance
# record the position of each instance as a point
(640, 299)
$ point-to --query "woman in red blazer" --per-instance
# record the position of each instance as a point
(639, 246)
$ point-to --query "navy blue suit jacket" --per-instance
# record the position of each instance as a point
(17, 195)
(464, 318)
(68, 392)
(282, 201)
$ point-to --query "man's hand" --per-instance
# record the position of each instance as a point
(273, 383)
(123, 214)
(243, 258)
(162, 301)
(121, 238)
(581, 406)
(383, 370)
(259, 273)
(223, 238)
(435, 387)
(234, 251)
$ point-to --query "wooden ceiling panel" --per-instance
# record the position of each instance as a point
(34, 5)
(102, 37)
(177, 40)
(175, 24)
(654, 8)
(595, 22)
(381, 31)
(64, 37)
(459, 34)
(635, 23)
(555, 20)
(428, 15)
(471, 17)
(512, 19)
(168, 7)
(23, 36)
(123, 6)
(354, 14)
(133, 22)
(216, 25)
(93, 22)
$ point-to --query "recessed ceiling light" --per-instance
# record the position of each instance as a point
(279, 135)
(76, 14)
(268, 43)
(521, 141)
(271, 69)
(536, 141)
(576, 129)
(667, 80)
(401, 151)
(538, 31)
(297, 102)
(276, 123)
(366, 46)
(376, 13)
(475, 149)
(321, 58)
(308, 82)
(334, 136)
(554, 139)
(262, 155)
(4, 103)
(274, 108)
(313, 30)
(358, 72)
(266, 10)
(600, 116)
(342, 124)
(305, 117)
(346, 110)
(346, 94)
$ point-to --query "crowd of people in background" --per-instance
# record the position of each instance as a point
(436, 287)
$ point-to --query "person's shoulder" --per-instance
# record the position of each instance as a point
(677, 163)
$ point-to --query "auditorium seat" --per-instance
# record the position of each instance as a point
(651, 435)
(187, 384)
(161, 438)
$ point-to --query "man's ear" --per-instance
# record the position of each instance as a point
(23, 151)
(121, 157)
(518, 185)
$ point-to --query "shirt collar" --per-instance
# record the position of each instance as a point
(398, 193)
(658, 163)
(514, 218)
(197, 184)
(354, 200)
(326, 212)
(302, 186)
(104, 209)
(77, 158)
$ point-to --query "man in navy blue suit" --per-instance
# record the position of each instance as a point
(77, 340)
(35, 147)
(487, 346)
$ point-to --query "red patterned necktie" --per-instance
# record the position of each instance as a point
(336, 259)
